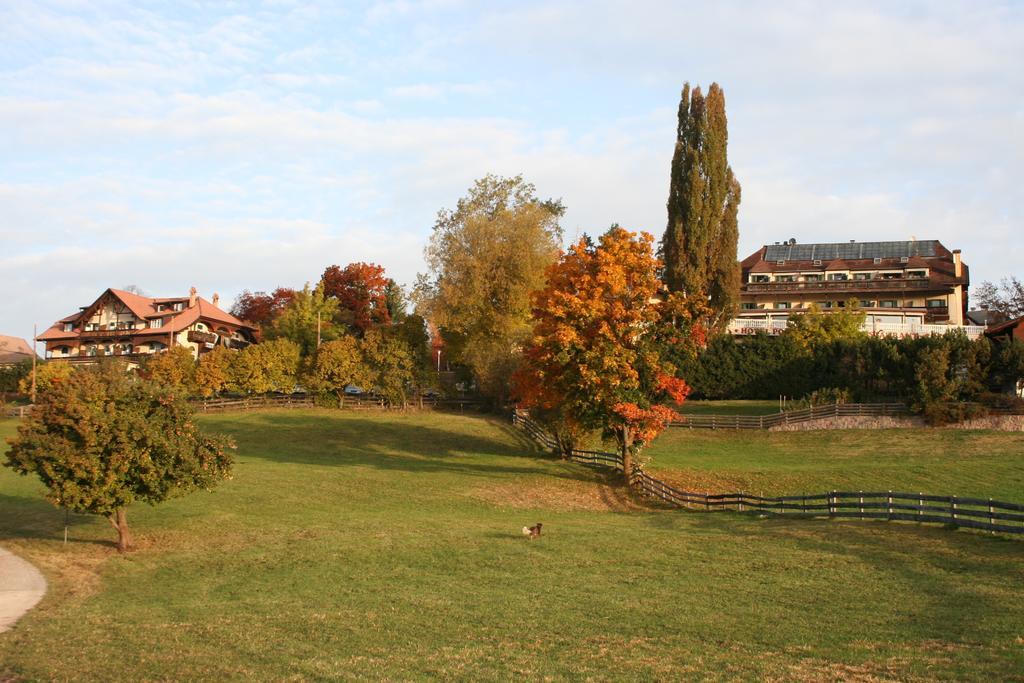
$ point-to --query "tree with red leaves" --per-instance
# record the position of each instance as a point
(362, 292)
(261, 308)
(599, 356)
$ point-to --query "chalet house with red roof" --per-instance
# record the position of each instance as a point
(121, 323)
(913, 282)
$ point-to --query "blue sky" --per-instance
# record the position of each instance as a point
(248, 145)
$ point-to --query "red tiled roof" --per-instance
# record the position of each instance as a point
(1002, 327)
(14, 349)
(145, 308)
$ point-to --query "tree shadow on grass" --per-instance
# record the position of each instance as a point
(34, 517)
(399, 445)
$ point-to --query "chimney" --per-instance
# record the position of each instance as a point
(192, 297)
(216, 298)
(958, 269)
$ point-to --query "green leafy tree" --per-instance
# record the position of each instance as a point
(101, 440)
(485, 257)
(336, 365)
(11, 376)
(175, 367)
(814, 328)
(392, 366)
(308, 310)
(396, 301)
(213, 373)
(699, 245)
(265, 367)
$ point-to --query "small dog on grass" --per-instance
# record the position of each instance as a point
(532, 532)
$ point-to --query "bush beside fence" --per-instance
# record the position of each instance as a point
(973, 513)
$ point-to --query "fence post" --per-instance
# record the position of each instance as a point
(920, 505)
(741, 501)
(952, 511)
(991, 521)
(861, 502)
(888, 508)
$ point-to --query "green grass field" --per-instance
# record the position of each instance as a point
(943, 462)
(358, 545)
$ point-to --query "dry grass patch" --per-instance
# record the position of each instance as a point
(562, 495)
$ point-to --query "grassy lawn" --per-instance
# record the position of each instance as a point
(944, 462)
(728, 407)
(385, 546)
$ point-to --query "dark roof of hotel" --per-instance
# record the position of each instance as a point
(850, 250)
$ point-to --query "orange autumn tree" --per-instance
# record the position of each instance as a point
(599, 357)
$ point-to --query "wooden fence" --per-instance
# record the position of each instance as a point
(356, 402)
(984, 514)
(791, 416)
(15, 411)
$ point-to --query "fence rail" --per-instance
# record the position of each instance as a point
(791, 416)
(356, 402)
(984, 514)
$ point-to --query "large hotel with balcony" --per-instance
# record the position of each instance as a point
(124, 324)
(904, 287)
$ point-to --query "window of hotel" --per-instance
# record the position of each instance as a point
(69, 327)
(824, 304)
(864, 303)
(887, 303)
(891, 276)
(91, 351)
(862, 276)
(936, 303)
(782, 304)
(818, 277)
(760, 278)
(156, 322)
(92, 327)
(747, 306)
(112, 325)
(179, 306)
(838, 276)
(785, 278)
(155, 346)
(916, 273)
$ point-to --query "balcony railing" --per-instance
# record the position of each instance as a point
(840, 286)
(748, 326)
(200, 337)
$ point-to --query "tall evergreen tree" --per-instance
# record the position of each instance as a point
(699, 245)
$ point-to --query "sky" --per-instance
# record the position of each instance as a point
(232, 146)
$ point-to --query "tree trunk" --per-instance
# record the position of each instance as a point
(119, 520)
(627, 454)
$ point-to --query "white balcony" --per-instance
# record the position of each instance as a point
(746, 326)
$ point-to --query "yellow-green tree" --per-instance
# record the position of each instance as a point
(392, 366)
(307, 318)
(175, 367)
(814, 327)
(47, 375)
(485, 257)
(269, 366)
(213, 373)
(336, 365)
